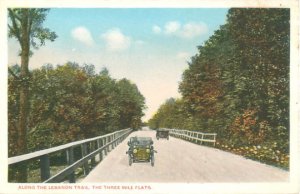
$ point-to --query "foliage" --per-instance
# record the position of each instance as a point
(238, 83)
(169, 114)
(26, 25)
(248, 127)
(72, 102)
(268, 153)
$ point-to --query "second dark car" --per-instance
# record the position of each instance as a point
(162, 133)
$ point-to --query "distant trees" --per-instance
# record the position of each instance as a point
(26, 26)
(169, 114)
(238, 83)
(71, 102)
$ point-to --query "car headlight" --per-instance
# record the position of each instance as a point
(148, 150)
(135, 151)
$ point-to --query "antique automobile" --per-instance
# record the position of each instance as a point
(162, 133)
(140, 150)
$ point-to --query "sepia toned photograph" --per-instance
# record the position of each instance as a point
(152, 97)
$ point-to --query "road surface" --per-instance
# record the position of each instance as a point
(182, 161)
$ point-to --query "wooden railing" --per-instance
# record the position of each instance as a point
(194, 136)
(90, 148)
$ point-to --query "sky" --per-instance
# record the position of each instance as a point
(149, 46)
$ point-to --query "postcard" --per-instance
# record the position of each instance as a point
(116, 97)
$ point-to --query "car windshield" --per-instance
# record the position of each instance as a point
(141, 140)
(162, 130)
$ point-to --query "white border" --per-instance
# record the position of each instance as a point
(286, 187)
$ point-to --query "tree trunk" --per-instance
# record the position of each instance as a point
(24, 98)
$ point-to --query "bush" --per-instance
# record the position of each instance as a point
(267, 153)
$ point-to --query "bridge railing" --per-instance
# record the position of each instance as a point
(90, 148)
(195, 136)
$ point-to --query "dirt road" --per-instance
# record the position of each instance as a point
(181, 161)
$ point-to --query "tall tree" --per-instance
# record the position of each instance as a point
(132, 103)
(26, 25)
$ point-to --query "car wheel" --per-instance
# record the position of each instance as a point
(130, 161)
(152, 160)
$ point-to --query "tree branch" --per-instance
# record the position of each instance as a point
(15, 28)
(30, 21)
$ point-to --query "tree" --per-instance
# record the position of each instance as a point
(171, 114)
(75, 103)
(132, 103)
(70, 102)
(26, 26)
(237, 84)
(261, 40)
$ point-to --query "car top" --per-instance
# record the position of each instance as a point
(162, 129)
(141, 140)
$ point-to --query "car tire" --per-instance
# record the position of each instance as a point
(152, 161)
(130, 161)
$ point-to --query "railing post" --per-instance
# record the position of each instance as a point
(108, 141)
(98, 146)
(102, 154)
(201, 138)
(116, 139)
(193, 135)
(70, 160)
(111, 140)
(215, 140)
(84, 153)
(45, 167)
(119, 139)
(92, 148)
(113, 144)
(105, 142)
